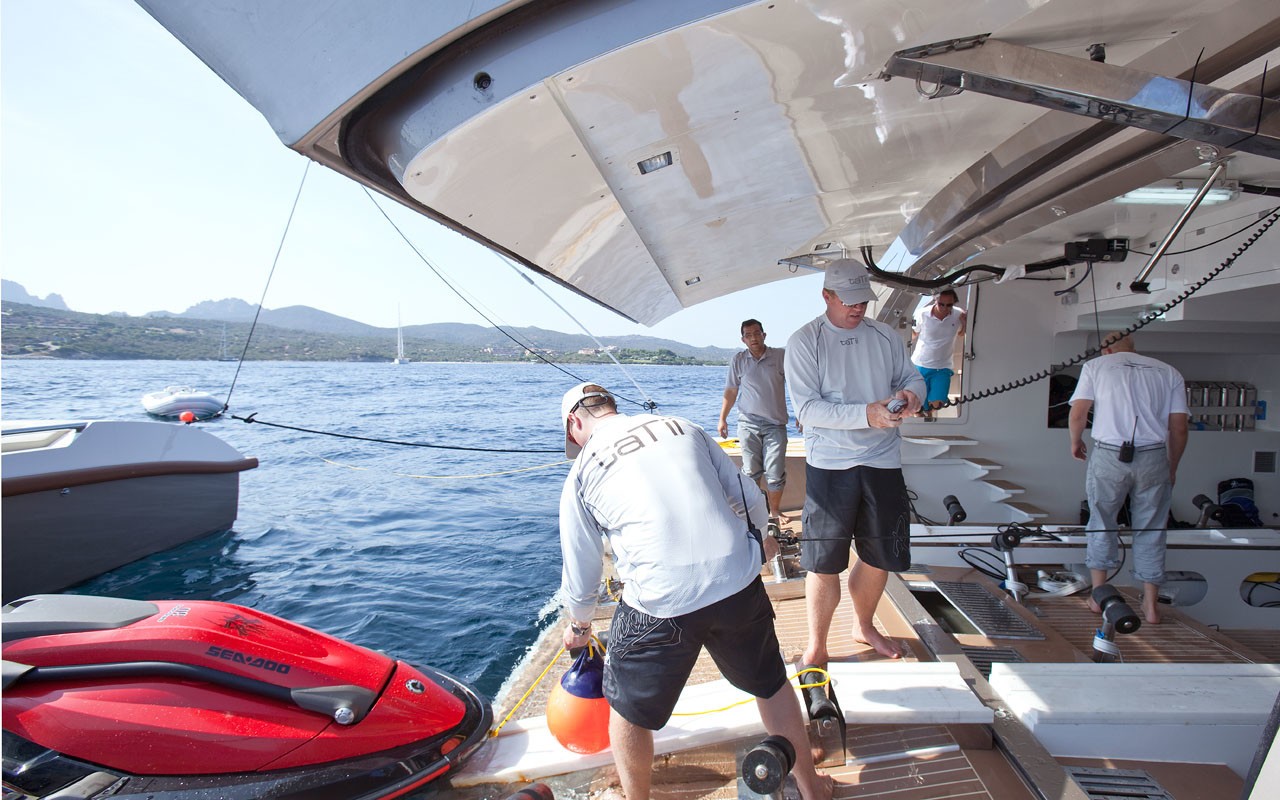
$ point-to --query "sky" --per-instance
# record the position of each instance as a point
(133, 179)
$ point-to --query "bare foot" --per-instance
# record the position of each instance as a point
(1152, 615)
(873, 638)
(1094, 607)
(785, 518)
(820, 787)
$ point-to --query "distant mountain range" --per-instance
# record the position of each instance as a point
(367, 341)
(15, 293)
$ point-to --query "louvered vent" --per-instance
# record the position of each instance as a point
(1264, 460)
(984, 657)
(1130, 784)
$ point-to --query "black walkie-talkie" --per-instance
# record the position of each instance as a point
(1126, 448)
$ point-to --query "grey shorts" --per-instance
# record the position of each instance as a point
(764, 451)
(650, 658)
(864, 506)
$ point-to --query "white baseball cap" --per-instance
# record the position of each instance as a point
(571, 400)
(850, 281)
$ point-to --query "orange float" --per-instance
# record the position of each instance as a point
(577, 713)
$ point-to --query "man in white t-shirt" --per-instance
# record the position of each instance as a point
(1139, 433)
(935, 330)
(756, 384)
(682, 521)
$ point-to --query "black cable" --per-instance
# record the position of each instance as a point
(648, 406)
(984, 568)
(251, 419)
(1140, 324)
(1088, 273)
(1097, 326)
(258, 311)
(1236, 232)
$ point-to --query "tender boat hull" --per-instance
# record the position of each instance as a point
(90, 497)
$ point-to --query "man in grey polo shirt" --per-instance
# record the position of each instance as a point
(756, 384)
(1139, 409)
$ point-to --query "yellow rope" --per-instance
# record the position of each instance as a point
(591, 645)
(442, 477)
(516, 707)
(823, 682)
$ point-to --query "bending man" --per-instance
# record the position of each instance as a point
(681, 521)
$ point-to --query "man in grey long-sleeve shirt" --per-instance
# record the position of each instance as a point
(843, 371)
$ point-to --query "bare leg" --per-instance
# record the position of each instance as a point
(1099, 578)
(821, 596)
(782, 717)
(775, 505)
(866, 584)
(1151, 603)
(633, 753)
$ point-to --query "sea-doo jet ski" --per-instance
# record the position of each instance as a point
(187, 700)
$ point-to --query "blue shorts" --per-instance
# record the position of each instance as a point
(938, 383)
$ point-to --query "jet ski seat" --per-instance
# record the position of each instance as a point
(46, 614)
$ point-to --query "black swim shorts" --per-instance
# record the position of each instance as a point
(650, 658)
(862, 505)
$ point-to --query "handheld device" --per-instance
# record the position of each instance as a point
(1126, 448)
(895, 405)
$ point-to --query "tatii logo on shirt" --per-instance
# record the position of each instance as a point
(849, 341)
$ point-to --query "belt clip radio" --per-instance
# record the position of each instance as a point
(1126, 448)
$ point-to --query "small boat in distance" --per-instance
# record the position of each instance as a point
(400, 357)
(174, 401)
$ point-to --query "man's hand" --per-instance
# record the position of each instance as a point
(878, 415)
(1077, 450)
(914, 403)
(723, 429)
(771, 547)
(573, 639)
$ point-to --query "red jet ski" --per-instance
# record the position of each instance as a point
(187, 700)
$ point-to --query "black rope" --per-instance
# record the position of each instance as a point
(1140, 324)
(251, 418)
(279, 248)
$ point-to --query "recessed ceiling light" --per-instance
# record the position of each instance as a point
(1178, 195)
(654, 163)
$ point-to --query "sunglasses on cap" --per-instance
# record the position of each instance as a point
(592, 400)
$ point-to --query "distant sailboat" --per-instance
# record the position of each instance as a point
(400, 357)
(222, 351)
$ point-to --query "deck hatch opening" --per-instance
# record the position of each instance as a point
(986, 613)
(984, 657)
(1131, 784)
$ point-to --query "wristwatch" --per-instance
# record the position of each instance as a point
(579, 628)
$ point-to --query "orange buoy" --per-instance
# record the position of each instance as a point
(577, 712)
(187, 417)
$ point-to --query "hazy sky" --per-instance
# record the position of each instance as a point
(133, 179)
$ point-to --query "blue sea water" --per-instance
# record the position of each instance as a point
(439, 557)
